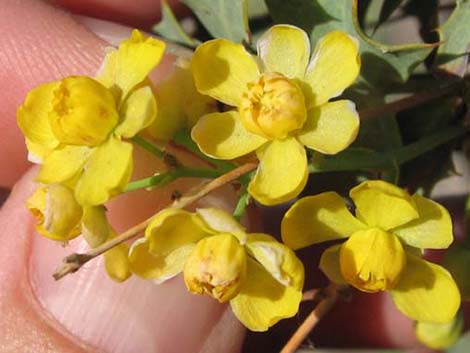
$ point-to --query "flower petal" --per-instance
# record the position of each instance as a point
(284, 49)
(157, 268)
(116, 261)
(280, 261)
(426, 292)
(334, 66)
(384, 205)
(137, 112)
(433, 228)
(222, 222)
(33, 116)
(106, 173)
(63, 164)
(318, 218)
(262, 300)
(223, 136)
(172, 229)
(222, 69)
(331, 127)
(128, 66)
(57, 213)
(282, 173)
(372, 260)
(329, 264)
(95, 227)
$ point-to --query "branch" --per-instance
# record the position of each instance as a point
(331, 294)
(75, 261)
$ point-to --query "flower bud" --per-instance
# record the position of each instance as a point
(273, 106)
(83, 112)
(216, 267)
(438, 335)
(57, 213)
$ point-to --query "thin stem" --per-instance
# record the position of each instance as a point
(150, 147)
(74, 262)
(311, 294)
(409, 102)
(163, 179)
(312, 319)
(241, 205)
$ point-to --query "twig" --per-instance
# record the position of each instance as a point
(75, 261)
(312, 294)
(408, 102)
(331, 295)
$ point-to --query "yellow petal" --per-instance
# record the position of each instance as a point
(36, 152)
(137, 112)
(116, 261)
(157, 268)
(222, 69)
(106, 173)
(457, 262)
(329, 264)
(172, 229)
(284, 49)
(433, 228)
(331, 127)
(318, 218)
(223, 136)
(33, 117)
(384, 205)
(372, 260)
(57, 213)
(125, 68)
(280, 261)
(282, 173)
(334, 66)
(263, 301)
(426, 292)
(95, 226)
(222, 222)
(180, 105)
(63, 164)
(438, 335)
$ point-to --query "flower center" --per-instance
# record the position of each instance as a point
(273, 106)
(83, 112)
(372, 260)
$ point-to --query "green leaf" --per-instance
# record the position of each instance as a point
(222, 18)
(452, 55)
(170, 28)
(380, 63)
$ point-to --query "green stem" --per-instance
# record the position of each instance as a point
(367, 159)
(162, 179)
(243, 201)
(150, 147)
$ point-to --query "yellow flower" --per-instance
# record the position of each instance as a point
(282, 104)
(75, 127)
(59, 217)
(261, 277)
(382, 247)
(440, 335)
(180, 105)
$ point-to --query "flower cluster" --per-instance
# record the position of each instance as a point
(269, 110)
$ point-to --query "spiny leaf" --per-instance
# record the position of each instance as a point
(222, 18)
(452, 55)
(170, 28)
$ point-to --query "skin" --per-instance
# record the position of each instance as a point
(44, 42)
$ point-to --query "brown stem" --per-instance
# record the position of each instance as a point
(331, 295)
(75, 261)
(408, 102)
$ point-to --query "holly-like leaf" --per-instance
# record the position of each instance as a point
(452, 55)
(381, 63)
(222, 18)
(170, 28)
